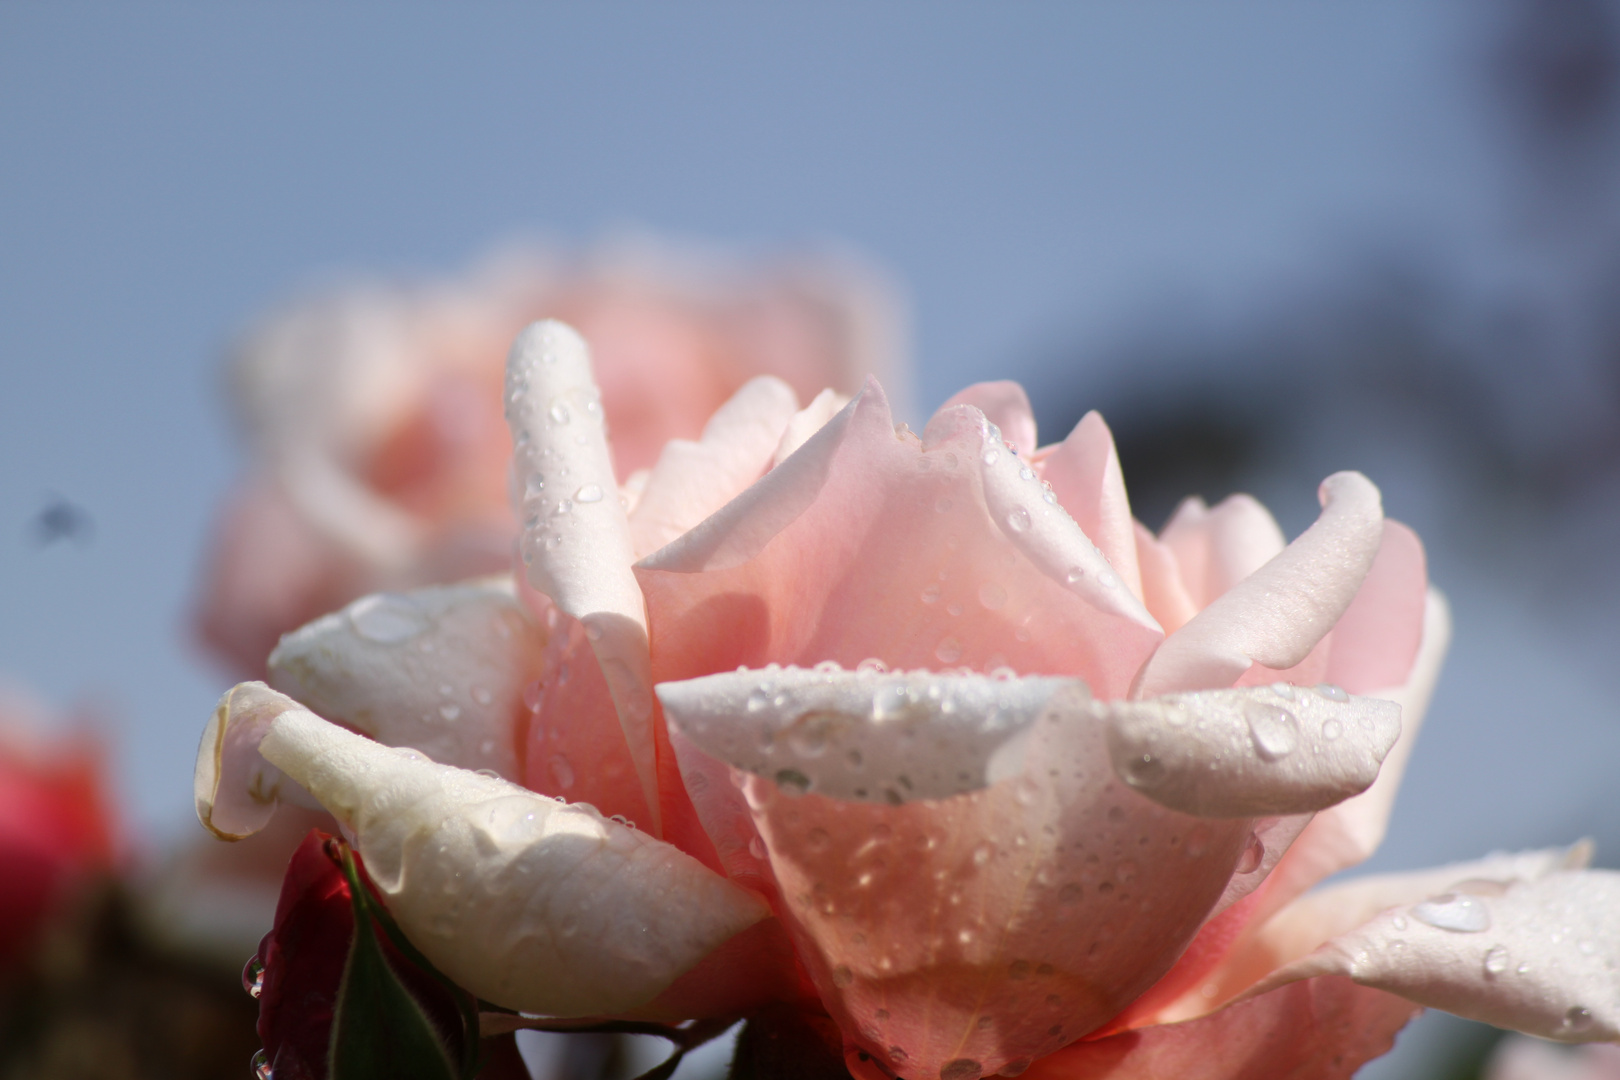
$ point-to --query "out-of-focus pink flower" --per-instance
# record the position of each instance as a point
(379, 452)
(56, 830)
(1519, 1058)
(922, 731)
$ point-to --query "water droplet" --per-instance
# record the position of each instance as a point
(891, 701)
(1332, 693)
(992, 596)
(561, 771)
(1069, 894)
(260, 1066)
(872, 663)
(1108, 579)
(590, 493)
(1016, 1067)
(1399, 922)
(991, 456)
(948, 651)
(564, 506)
(387, 618)
(535, 485)
(1074, 575)
(1026, 473)
(1332, 729)
(560, 413)
(792, 782)
(450, 712)
(756, 847)
(1274, 730)
(253, 978)
(981, 854)
(930, 595)
(482, 695)
(1283, 690)
(1455, 912)
(961, 1069)
(1578, 1018)
(1018, 519)
(898, 1053)
(842, 976)
(1254, 853)
(757, 700)
(953, 609)
(1496, 960)
(1144, 771)
(1125, 871)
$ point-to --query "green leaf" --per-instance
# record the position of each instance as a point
(379, 1031)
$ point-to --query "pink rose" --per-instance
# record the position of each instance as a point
(373, 413)
(923, 734)
(56, 832)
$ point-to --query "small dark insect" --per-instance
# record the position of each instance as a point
(61, 520)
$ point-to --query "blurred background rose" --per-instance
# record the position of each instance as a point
(1268, 240)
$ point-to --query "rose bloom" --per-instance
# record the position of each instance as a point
(924, 734)
(373, 412)
(56, 829)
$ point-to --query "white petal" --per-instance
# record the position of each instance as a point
(576, 538)
(863, 736)
(441, 670)
(1538, 956)
(807, 421)
(694, 479)
(527, 902)
(1277, 614)
(1251, 752)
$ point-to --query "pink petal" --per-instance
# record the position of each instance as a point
(1163, 591)
(694, 479)
(991, 926)
(1005, 405)
(1537, 956)
(441, 670)
(1277, 614)
(866, 544)
(1217, 548)
(807, 421)
(1376, 642)
(236, 789)
(1323, 1029)
(1250, 752)
(1084, 472)
(576, 540)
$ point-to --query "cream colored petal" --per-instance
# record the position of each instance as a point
(863, 736)
(807, 421)
(576, 543)
(235, 789)
(1251, 752)
(527, 902)
(441, 670)
(1538, 956)
(694, 479)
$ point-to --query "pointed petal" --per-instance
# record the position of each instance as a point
(694, 479)
(863, 736)
(991, 926)
(1536, 956)
(440, 670)
(807, 421)
(527, 902)
(1251, 752)
(866, 545)
(235, 789)
(1084, 473)
(1163, 592)
(1006, 405)
(1276, 615)
(1321, 1029)
(576, 538)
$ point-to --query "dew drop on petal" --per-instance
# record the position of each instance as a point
(1274, 730)
(261, 1066)
(1026, 473)
(1332, 693)
(961, 1069)
(1254, 853)
(561, 771)
(842, 976)
(1018, 519)
(1075, 574)
(1578, 1018)
(1457, 912)
(560, 413)
(387, 618)
(482, 695)
(792, 782)
(535, 485)
(948, 651)
(1332, 729)
(991, 456)
(253, 978)
(450, 712)
(1496, 960)
(756, 847)
(590, 493)
(993, 596)
(930, 595)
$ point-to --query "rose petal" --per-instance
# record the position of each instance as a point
(1519, 1058)
(576, 538)
(807, 421)
(694, 479)
(1006, 405)
(1537, 956)
(1376, 642)
(1084, 473)
(526, 902)
(1163, 591)
(1320, 1029)
(866, 545)
(1217, 548)
(993, 926)
(440, 670)
(1276, 615)
(865, 736)
(235, 789)
(1250, 752)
